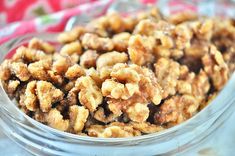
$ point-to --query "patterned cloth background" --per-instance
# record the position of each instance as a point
(18, 17)
(17, 10)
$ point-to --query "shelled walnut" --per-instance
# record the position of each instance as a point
(123, 76)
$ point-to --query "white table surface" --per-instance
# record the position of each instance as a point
(221, 144)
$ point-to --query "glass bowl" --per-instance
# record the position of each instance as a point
(40, 139)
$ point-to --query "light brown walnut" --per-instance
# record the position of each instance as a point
(120, 41)
(90, 94)
(138, 112)
(74, 72)
(78, 116)
(55, 120)
(215, 67)
(177, 109)
(71, 48)
(39, 44)
(134, 84)
(12, 86)
(94, 42)
(140, 49)
(5, 70)
(95, 75)
(55, 78)
(110, 59)
(72, 35)
(181, 17)
(20, 70)
(182, 35)
(102, 117)
(88, 59)
(146, 127)
(167, 72)
(61, 64)
(98, 26)
(112, 131)
(31, 100)
(39, 69)
(29, 55)
(47, 95)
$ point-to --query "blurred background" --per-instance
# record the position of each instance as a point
(18, 17)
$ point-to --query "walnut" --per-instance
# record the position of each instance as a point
(145, 27)
(116, 90)
(110, 59)
(138, 112)
(55, 78)
(215, 67)
(5, 70)
(177, 109)
(197, 49)
(72, 35)
(38, 70)
(120, 41)
(101, 116)
(149, 87)
(71, 48)
(61, 64)
(74, 72)
(129, 23)
(200, 85)
(47, 95)
(40, 116)
(229, 58)
(184, 87)
(129, 89)
(181, 17)
(38, 44)
(153, 14)
(88, 59)
(203, 29)
(78, 116)
(105, 72)
(12, 86)
(90, 94)
(94, 42)
(68, 86)
(75, 58)
(123, 73)
(166, 41)
(55, 120)
(98, 26)
(146, 127)
(20, 70)
(140, 49)
(185, 81)
(29, 55)
(115, 22)
(182, 35)
(167, 72)
(72, 97)
(95, 75)
(31, 100)
(122, 76)
(112, 131)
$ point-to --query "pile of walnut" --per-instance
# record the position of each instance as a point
(123, 76)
